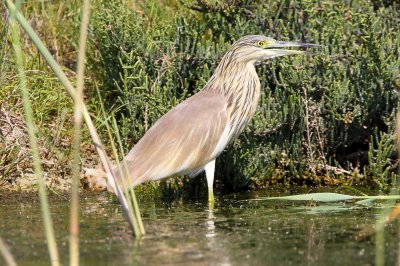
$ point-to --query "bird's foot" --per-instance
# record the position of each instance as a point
(211, 200)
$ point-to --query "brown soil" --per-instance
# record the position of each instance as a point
(16, 167)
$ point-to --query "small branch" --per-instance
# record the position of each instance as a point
(335, 169)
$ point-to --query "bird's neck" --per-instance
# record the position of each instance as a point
(239, 83)
(232, 77)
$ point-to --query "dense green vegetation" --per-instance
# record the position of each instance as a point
(325, 119)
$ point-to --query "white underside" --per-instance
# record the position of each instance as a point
(223, 141)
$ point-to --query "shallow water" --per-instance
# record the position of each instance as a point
(238, 232)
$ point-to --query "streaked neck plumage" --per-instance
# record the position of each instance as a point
(238, 81)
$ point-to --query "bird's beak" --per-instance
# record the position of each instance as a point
(279, 48)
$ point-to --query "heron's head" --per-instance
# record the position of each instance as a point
(257, 47)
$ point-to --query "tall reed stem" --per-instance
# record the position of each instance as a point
(48, 224)
(134, 210)
(74, 217)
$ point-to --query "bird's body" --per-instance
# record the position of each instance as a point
(181, 144)
(188, 138)
(196, 131)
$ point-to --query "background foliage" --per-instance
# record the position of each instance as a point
(325, 119)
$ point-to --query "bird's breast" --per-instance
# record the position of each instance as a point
(243, 105)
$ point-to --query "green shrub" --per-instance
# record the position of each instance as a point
(316, 113)
(321, 119)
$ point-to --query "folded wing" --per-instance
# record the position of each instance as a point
(182, 141)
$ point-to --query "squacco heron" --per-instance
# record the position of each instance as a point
(188, 138)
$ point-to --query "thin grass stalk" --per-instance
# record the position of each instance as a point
(8, 257)
(71, 90)
(398, 180)
(132, 203)
(398, 242)
(380, 243)
(74, 216)
(132, 195)
(3, 51)
(124, 186)
(48, 224)
(381, 222)
(397, 186)
(136, 209)
(380, 232)
(116, 156)
(129, 193)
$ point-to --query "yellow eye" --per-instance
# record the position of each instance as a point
(260, 43)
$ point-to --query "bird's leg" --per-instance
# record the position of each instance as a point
(210, 167)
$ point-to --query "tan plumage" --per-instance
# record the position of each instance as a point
(190, 136)
(179, 144)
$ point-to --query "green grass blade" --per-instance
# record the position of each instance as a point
(131, 193)
(383, 197)
(132, 213)
(132, 203)
(329, 197)
(137, 211)
(48, 224)
(365, 202)
(322, 197)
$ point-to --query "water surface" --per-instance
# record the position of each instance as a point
(238, 232)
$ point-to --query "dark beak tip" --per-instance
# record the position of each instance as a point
(312, 45)
(296, 44)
